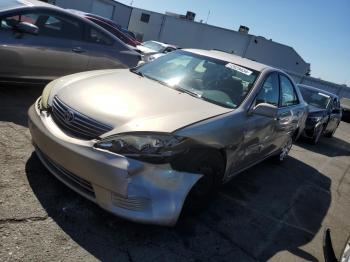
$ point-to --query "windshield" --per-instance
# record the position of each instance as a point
(153, 45)
(315, 98)
(212, 80)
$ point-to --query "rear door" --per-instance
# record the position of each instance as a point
(101, 48)
(47, 55)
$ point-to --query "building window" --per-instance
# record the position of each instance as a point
(145, 17)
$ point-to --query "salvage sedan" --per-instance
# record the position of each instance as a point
(140, 142)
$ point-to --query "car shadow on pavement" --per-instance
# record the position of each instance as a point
(330, 147)
(264, 210)
(16, 100)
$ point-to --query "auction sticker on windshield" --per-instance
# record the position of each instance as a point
(239, 69)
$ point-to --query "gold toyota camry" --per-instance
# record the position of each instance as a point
(140, 142)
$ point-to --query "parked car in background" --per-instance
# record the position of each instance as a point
(108, 25)
(345, 106)
(129, 33)
(41, 42)
(324, 113)
(151, 50)
(144, 140)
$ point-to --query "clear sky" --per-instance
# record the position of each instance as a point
(319, 30)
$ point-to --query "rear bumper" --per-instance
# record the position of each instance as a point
(128, 188)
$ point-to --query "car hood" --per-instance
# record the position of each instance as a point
(129, 102)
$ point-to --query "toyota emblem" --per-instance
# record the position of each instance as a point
(69, 116)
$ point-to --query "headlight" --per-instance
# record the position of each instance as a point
(46, 94)
(143, 145)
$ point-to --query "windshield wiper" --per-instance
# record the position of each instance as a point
(184, 90)
(134, 70)
(177, 88)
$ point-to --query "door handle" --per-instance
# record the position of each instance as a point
(78, 50)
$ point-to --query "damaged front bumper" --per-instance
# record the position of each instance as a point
(132, 189)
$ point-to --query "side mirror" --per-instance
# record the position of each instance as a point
(265, 109)
(336, 111)
(28, 28)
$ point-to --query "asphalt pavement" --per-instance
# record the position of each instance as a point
(269, 212)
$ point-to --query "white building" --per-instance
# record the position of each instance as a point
(185, 32)
(110, 9)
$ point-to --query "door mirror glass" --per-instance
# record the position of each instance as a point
(265, 109)
(27, 28)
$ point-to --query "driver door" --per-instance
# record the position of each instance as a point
(260, 131)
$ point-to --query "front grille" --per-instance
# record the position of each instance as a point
(76, 124)
(76, 182)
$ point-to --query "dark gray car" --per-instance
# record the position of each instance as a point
(39, 41)
(324, 113)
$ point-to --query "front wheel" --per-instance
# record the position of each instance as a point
(212, 166)
(331, 134)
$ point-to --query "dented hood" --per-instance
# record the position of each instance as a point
(129, 102)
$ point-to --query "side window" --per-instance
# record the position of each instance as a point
(10, 22)
(288, 94)
(269, 93)
(97, 37)
(50, 25)
(59, 27)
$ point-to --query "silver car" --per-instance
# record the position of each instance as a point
(137, 142)
(41, 42)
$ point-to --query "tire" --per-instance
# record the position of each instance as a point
(211, 164)
(317, 136)
(284, 151)
(331, 134)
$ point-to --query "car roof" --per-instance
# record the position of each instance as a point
(232, 58)
(318, 90)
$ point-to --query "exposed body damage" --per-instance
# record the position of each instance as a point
(126, 187)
